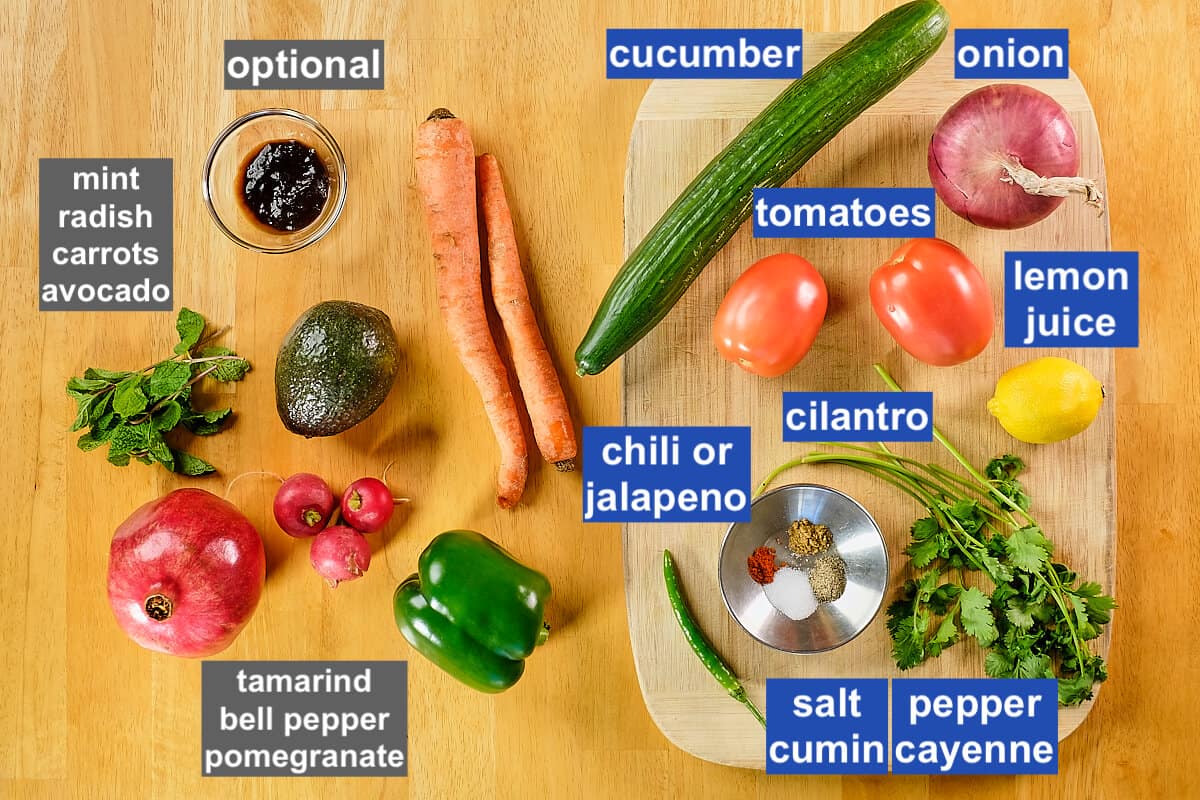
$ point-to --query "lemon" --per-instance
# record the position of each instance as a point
(1046, 400)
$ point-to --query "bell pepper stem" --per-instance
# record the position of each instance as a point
(543, 635)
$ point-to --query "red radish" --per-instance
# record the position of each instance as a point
(367, 505)
(1005, 156)
(303, 505)
(340, 553)
(185, 573)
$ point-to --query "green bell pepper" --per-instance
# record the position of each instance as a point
(473, 610)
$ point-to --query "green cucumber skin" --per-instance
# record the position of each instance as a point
(770, 150)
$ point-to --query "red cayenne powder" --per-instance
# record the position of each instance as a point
(761, 565)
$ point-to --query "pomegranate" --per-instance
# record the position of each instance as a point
(185, 573)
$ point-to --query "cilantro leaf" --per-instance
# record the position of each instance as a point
(1019, 613)
(190, 327)
(1034, 665)
(977, 619)
(1005, 467)
(1075, 689)
(997, 665)
(1028, 549)
(922, 553)
(945, 635)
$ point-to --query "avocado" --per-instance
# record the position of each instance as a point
(335, 367)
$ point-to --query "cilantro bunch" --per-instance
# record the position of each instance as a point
(134, 412)
(1037, 617)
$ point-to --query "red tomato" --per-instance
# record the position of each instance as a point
(771, 314)
(934, 302)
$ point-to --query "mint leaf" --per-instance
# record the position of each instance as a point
(88, 442)
(128, 398)
(214, 350)
(127, 438)
(188, 464)
(168, 378)
(106, 375)
(1028, 549)
(118, 458)
(977, 619)
(206, 423)
(162, 454)
(90, 409)
(231, 369)
(190, 327)
(168, 416)
(85, 385)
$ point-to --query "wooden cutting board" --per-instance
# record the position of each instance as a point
(675, 377)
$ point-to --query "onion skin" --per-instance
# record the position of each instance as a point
(198, 561)
(984, 129)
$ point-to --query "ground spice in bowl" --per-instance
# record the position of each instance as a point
(808, 539)
(761, 565)
(828, 578)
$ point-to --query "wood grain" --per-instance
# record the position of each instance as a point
(676, 377)
(86, 714)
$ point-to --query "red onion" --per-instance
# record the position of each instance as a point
(340, 553)
(185, 573)
(1005, 156)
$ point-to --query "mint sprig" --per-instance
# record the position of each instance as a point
(135, 412)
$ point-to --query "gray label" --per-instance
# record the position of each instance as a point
(105, 239)
(303, 63)
(341, 718)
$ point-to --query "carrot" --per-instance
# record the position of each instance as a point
(539, 382)
(445, 167)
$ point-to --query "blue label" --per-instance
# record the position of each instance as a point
(1071, 299)
(998, 726)
(1011, 53)
(858, 416)
(680, 474)
(824, 213)
(826, 726)
(704, 53)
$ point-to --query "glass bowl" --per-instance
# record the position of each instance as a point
(856, 538)
(224, 174)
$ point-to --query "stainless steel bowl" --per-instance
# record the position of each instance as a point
(856, 538)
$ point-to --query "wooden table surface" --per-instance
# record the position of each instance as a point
(85, 713)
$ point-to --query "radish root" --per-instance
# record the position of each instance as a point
(383, 477)
(229, 488)
(1033, 183)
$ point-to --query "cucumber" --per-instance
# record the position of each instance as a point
(767, 152)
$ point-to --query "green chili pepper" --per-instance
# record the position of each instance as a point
(473, 610)
(700, 645)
